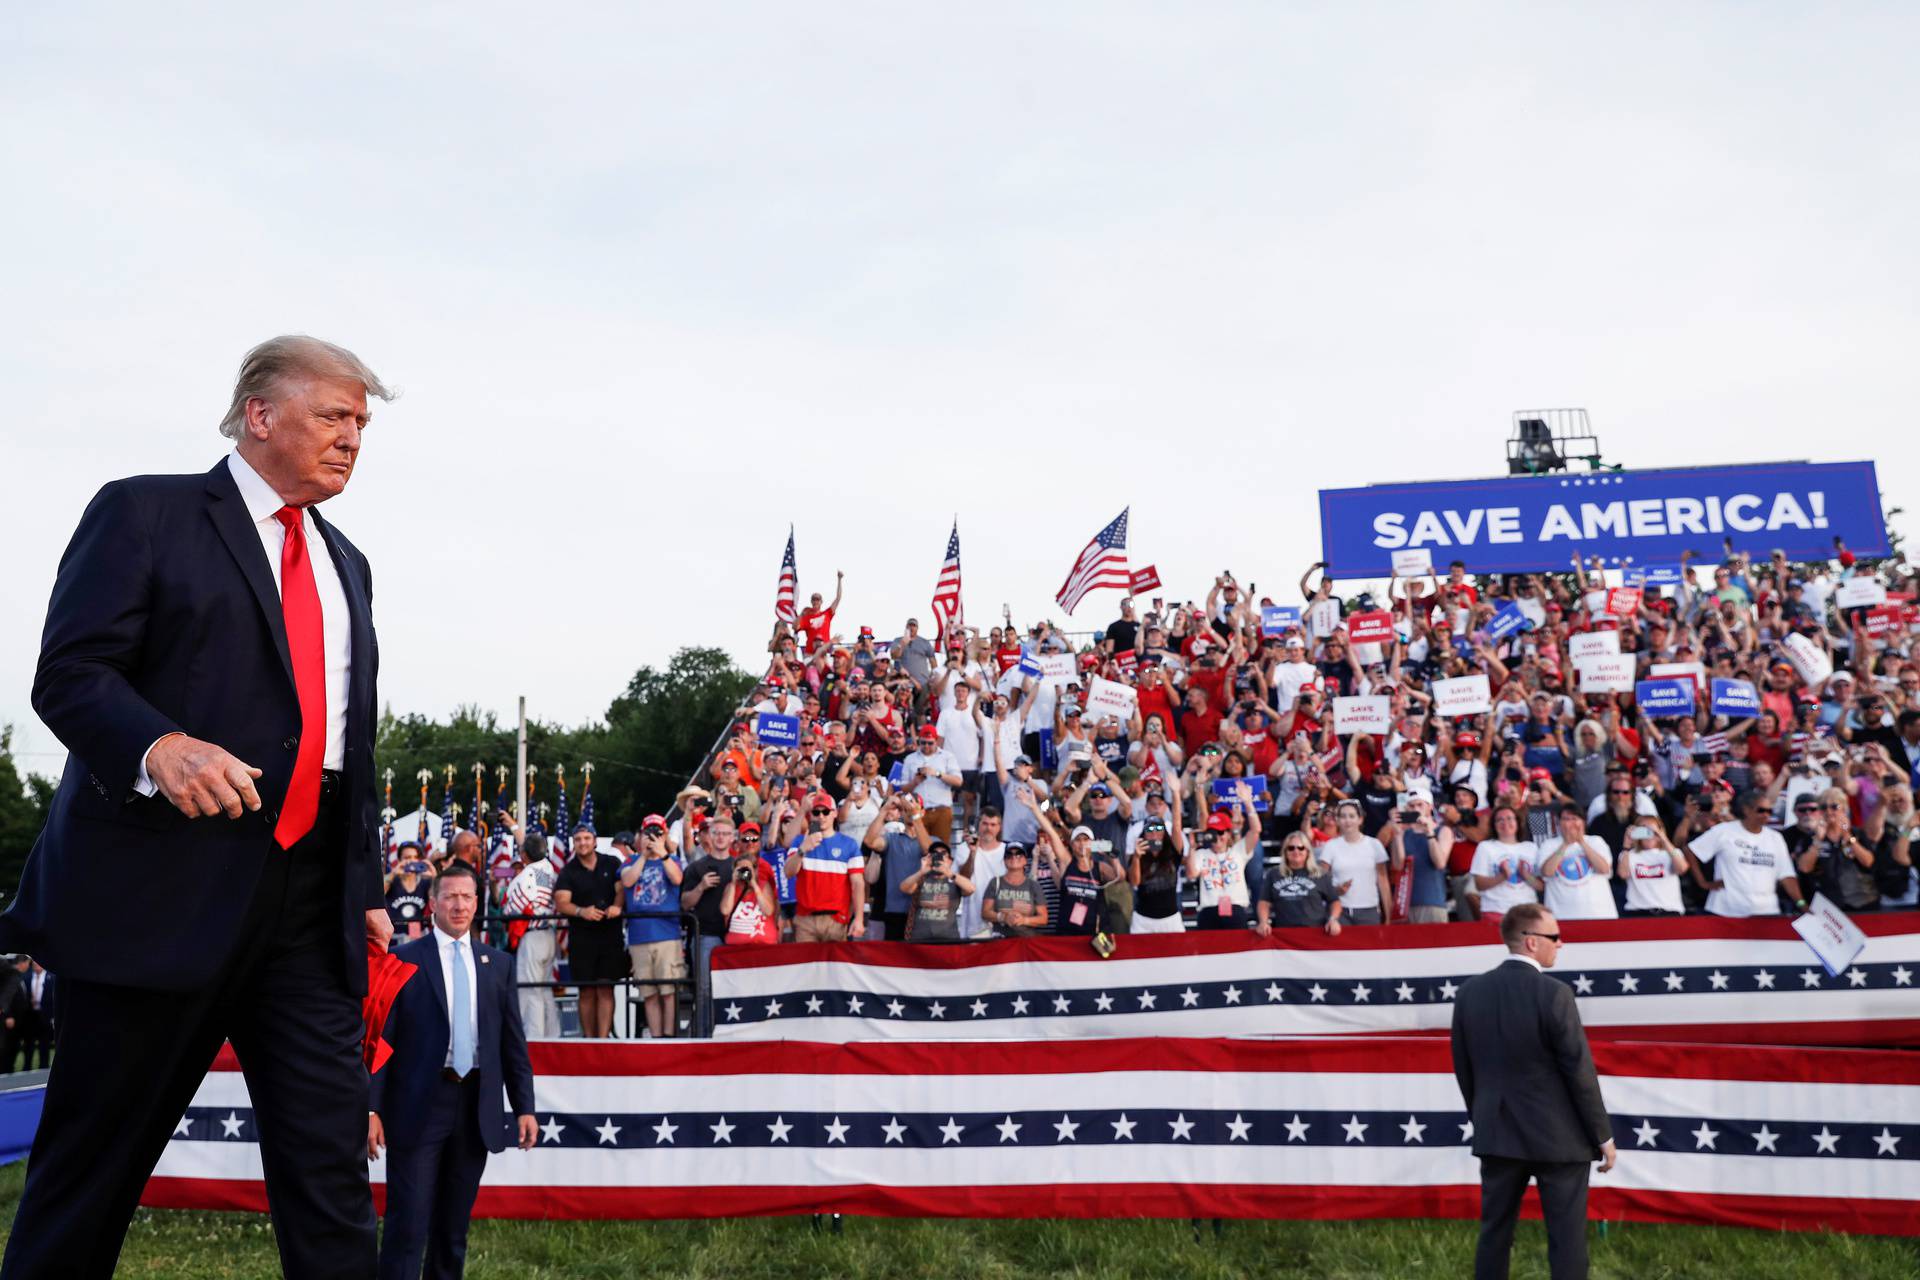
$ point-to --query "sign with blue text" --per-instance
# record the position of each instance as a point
(1530, 524)
(1507, 620)
(1224, 790)
(1654, 575)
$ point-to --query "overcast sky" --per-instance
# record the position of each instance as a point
(658, 280)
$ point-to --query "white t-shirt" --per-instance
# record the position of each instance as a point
(859, 817)
(1355, 861)
(961, 736)
(1511, 892)
(933, 790)
(1224, 872)
(1652, 883)
(1287, 679)
(1577, 890)
(1748, 865)
(988, 865)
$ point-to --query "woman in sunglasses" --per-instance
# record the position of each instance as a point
(1839, 859)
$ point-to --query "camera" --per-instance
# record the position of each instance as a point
(743, 872)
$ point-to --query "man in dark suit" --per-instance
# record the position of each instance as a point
(457, 1041)
(1524, 1068)
(209, 662)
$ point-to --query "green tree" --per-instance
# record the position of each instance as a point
(23, 810)
(654, 735)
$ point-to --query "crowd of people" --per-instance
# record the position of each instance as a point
(1184, 768)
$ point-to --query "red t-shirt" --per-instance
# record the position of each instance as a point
(1155, 702)
(1215, 682)
(813, 627)
(1198, 728)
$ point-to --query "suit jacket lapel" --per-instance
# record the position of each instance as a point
(229, 515)
(438, 980)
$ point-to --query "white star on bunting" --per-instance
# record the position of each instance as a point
(936, 1010)
(1412, 1130)
(979, 1008)
(1857, 976)
(1297, 1129)
(230, 1127)
(779, 1129)
(551, 1130)
(1718, 980)
(1828, 1142)
(609, 1133)
(1356, 1130)
(1182, 1127)
(1009, 1130)
(1629, 983)
(1583, 984)
(1019, 1004)
(1675, 982)
(950, 1131)
(1646, 1135)
(1065, 1128)
(1103, 1002)
(1317, 991)
(1362, 992)
(1146, 999)
(855, 1004)
(664, 1131)
(1238, 1128)
(895, 1008)
(837, 1131)
(1449, 989)
(1273, 992)
(1061, 1004)
(815, 1004)
(733, 1013)
(1809, 977)
(1764, 980)
(773, 1008)
(1189, 998)
(180, 1129)
(1765, 1139)
(723, 1132)
(894, 1130)
(1703, 1138)
(1232, 994)
(1404, 991)
(1886, 1140)
(1123, 1128)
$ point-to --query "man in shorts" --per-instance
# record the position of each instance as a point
(651, 883)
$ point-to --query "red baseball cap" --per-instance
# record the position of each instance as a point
(1538, 774)
(821, 802)
(928, 731)
(653, 820)
(1219, 821)
(1467, 740)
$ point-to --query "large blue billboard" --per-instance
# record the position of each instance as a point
(1532, 524)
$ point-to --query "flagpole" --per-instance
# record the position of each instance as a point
(520, 768)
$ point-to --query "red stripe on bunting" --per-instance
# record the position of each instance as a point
(1103, 1200)
(897, 955)
(1370, 1054)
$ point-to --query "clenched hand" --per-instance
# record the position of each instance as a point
(201, 779)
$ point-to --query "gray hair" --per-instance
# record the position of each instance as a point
(267, 367)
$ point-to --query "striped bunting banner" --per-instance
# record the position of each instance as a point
(1798, 1139)
(1697, 978)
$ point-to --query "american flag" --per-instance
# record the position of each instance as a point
(586, 800)
(562, 844)
(447, 827)
(783, 600)
(1102, 564)
(947, 610)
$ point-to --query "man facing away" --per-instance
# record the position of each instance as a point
(457, 1042)
(1524, 1068)
(209, 663)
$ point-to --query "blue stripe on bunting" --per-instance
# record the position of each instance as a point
(1158, 1126)
(1163, 997)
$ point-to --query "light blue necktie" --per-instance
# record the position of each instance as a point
(462, 1014)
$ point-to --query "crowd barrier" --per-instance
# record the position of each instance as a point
(1794, 1139)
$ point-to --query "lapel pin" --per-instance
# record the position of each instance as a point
(484, 959)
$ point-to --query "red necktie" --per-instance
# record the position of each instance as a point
(300, 605)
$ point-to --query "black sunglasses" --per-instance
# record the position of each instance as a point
(1550, 937)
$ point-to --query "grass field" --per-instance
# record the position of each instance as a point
(171, 1245)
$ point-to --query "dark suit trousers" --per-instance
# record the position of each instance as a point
(431, 1183)
(129, 1061)
(1563, 1203)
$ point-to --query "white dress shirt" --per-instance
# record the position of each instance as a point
(262, 503)
(443, 944)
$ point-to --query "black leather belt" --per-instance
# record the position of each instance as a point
(333, 784)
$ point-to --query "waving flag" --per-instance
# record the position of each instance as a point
(1102, 564)
(447, 828)
(562, 847)
(586, 798)
(789, 582)
(947, 611)
(1769, 1138)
